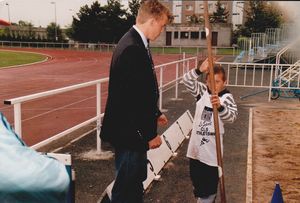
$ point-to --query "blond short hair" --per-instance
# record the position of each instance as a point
(152, 8)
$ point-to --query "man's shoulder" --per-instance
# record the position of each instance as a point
(130, 38)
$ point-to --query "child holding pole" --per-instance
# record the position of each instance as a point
(202, 146)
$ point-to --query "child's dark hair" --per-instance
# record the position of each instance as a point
(218, 69)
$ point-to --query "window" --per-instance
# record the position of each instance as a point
(194, 35)
(176, 35)
(188, 7)
(203, 35)
(184, 35)
(187, 18)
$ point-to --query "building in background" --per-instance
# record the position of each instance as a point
(194, 35)
(183, 33)
(239, 13)
(183, 10)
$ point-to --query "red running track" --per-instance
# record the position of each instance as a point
(43, 118)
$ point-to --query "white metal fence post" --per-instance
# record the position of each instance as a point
(176, 83)
(161, 89)
(183, 63)
(271, 83)
(176, 86)
(98, 89)
(17, 119)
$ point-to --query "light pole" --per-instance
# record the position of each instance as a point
(53, 2)
(8, 11)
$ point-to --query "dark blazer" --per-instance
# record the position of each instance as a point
(131, 112)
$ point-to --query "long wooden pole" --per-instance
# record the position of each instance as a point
(215, 110)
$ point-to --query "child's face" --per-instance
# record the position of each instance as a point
(220, 83)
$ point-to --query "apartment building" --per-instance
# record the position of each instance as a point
(183, 10)
(182, 33)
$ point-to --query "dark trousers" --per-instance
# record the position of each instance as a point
(131, 171)
(205, 178)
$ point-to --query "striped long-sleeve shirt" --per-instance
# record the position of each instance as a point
(202, 143)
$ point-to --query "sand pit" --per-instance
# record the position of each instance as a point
(276, 153)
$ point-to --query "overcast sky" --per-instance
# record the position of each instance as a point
(41, 12)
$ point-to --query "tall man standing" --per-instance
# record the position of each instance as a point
(131, 114)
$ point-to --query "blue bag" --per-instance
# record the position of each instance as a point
(26, 175)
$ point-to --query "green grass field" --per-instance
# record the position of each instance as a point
(10, 58)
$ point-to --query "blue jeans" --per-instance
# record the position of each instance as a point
(131, 171)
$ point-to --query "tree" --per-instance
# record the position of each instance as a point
(116, 24)
(31, 33)
(194, 19)
(100, 23)
(134, 6)
(69, 32)
(26, 30)
(85, 27)
(51, 32)
(220, 15)
(261, 16)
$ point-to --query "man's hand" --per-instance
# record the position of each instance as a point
(162, 120)
(155, 142)
(215, 100)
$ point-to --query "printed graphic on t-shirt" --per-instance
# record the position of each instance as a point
(205, 125)
(204, 141)
(206, 114)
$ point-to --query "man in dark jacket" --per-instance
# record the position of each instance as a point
(131, 114)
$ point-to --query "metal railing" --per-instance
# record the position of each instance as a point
(259, 75)
(184, 64)
(284, 50)
(16, 102)
(105, 47)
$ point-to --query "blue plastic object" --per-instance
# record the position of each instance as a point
(26, 175)
(277, 195)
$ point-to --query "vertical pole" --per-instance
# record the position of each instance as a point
(17, 119)
(7, 4)
(56, 38)
(271, 84)
(215, 111)
(183, 63)
(98, 104)
(176, 86)
(160, 87)
(55, 19)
